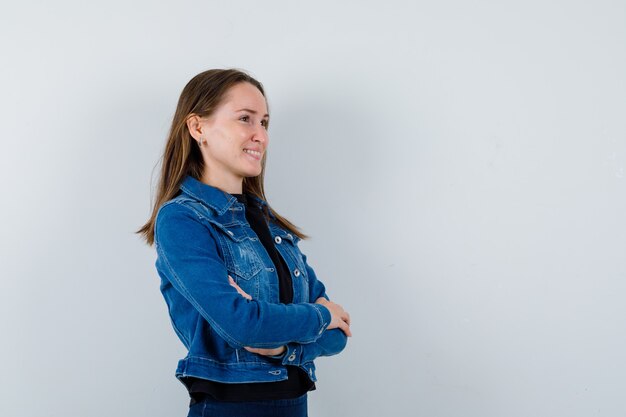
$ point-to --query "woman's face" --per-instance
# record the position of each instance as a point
(236, 136)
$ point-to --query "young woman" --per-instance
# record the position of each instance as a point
(241, 295)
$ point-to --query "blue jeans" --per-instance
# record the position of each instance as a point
(289, 407)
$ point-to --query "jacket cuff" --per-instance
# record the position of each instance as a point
(293, 354)
(325, 318)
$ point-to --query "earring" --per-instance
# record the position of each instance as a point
(200, 143)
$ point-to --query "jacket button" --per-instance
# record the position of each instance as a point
(277, 239)
(292, 357)
(296, 272)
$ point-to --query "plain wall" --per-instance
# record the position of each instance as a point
(459, 166)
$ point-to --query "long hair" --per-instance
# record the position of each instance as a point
(181, 157)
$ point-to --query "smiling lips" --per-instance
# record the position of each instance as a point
(254, 154)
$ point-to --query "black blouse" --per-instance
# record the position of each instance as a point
(298, 381)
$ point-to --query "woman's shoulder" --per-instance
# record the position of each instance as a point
(178, 205)
(184, 213)
(184, 203)
(182, 219)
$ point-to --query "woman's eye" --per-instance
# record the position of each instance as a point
(246, 118)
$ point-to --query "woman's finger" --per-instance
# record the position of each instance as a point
(345, 317)
(346, 329)
(239, 290)
(242, 292)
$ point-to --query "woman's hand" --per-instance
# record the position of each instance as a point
(260, 351)
(339, 317)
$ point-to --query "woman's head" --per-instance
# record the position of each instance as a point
(211, 136)
(232, 137)
(202, 100)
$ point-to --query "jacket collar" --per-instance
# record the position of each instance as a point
(217, 199)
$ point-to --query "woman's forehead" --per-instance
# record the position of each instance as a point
(245, 96)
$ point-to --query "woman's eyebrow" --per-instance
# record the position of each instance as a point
(253, 112)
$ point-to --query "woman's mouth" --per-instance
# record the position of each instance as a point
(254, 154)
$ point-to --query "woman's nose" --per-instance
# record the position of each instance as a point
(261, 135)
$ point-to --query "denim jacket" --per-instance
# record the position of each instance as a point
(201, 237)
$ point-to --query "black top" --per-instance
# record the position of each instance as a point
(297, 382)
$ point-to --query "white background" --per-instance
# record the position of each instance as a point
(459, 166)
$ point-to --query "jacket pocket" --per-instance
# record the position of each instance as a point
(240, 256)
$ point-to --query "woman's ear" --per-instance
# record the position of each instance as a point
(194, 126)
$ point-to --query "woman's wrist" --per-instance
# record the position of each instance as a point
(280, 355)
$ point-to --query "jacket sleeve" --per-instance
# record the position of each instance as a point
(332, 341)
(187, 255)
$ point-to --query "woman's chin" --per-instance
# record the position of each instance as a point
(252, 172)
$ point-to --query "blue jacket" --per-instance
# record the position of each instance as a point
(201, 237)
